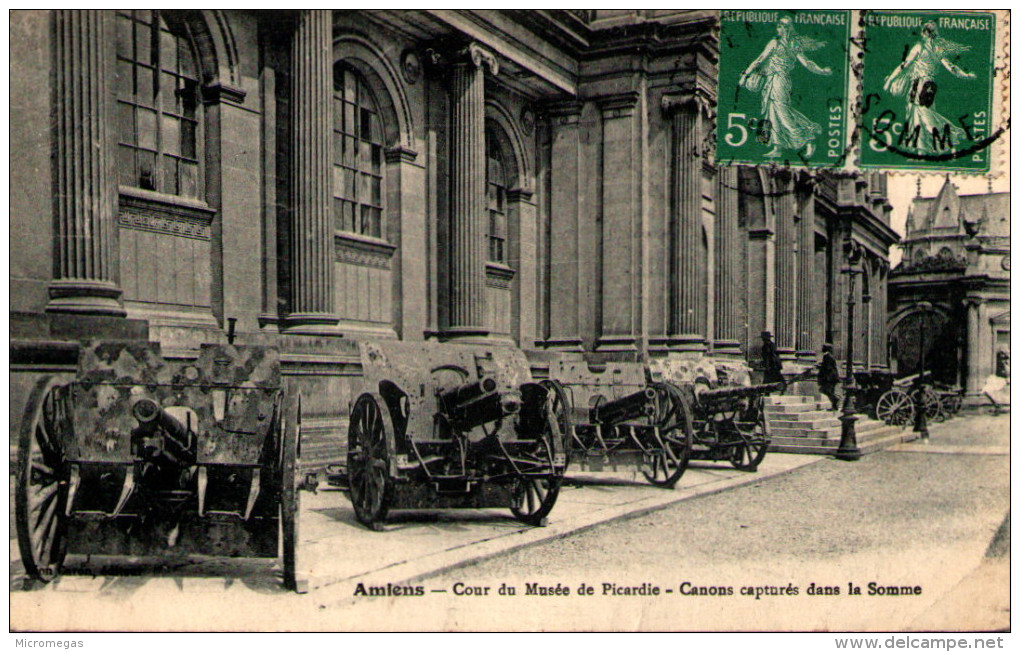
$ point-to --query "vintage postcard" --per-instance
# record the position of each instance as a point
(635, 320)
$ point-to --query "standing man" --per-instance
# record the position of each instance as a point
(828, 376)
(770, 362)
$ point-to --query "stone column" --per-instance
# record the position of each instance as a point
(467, 191)
(86, 274)
(312, 252)
(689, 260)
(974, 381)
(728, 264)
(785, 202)
(808, 293)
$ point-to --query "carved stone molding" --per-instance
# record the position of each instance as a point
(694, 99)
(400, 154)
(363, 253)
(472, 54)
(217, 92)
(619, 105)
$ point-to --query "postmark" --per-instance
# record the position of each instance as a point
(927, 91)
(783, 88)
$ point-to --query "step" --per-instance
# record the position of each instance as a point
(870, 442)
(807, 415)
(791, 408)
(788, 399)
(832, 431)
(808, 426)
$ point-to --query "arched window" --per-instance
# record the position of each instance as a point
(158, 105)
(920, 254)
(496, 186)
(945, 253)
(357, 156)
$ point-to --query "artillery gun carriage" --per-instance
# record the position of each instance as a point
(623, 418)
(139, 455)
(453, 426)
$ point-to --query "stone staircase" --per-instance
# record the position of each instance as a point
(803, 424)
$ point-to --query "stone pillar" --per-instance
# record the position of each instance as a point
(312, 249)
(728, 264)
(564, 188)
(622, 222)
(974, 380)
(85, 270)
(689, 260)
(785, 202)
(408, 231)
(467, 191)
(522, 218)
(808, 292)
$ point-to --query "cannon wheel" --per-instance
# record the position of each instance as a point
(932, 403)
(42, 483)
(561, 408)
(290, 499)
(532, 497)
(951, 403)
(895, 408)
(748, 455)
(675, 421)
(370, 442)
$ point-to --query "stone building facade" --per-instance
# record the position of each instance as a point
(955, 257)
(536, 178)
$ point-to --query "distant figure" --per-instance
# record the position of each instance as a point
(828, 376)
(770, 362)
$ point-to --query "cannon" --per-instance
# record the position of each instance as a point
(621, 418)
(729, 423)
(139, 455)
(452, 426)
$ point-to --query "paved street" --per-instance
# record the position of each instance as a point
(921, 515)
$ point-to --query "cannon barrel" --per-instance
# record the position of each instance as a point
(626, 408)
(179, 444)
(710, 395)
(476, 403)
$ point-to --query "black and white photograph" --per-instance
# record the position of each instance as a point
(451, 320)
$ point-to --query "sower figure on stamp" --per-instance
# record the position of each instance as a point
(828, 376)
(772, 74)
(770, 362)
(915, 78)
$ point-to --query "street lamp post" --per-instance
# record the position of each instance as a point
(921, 409)
(848, 434)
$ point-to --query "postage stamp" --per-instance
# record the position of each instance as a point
(927, 91)
(783, 88)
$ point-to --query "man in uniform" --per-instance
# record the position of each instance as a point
(828, 376)
(770, 362)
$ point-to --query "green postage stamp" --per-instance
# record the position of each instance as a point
(927, 90)
(783, 80)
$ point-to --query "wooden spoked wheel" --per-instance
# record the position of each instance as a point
(928, 399)
(558, 408)
(895, 408)
(41, 482)
(370, 442)
(290, 499)
(534, 493)
(675, 422)
(952, 403)
(747, 455)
